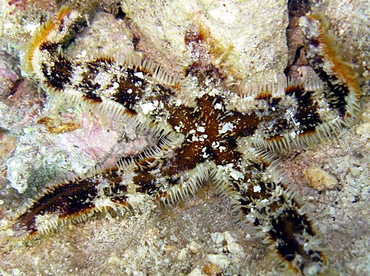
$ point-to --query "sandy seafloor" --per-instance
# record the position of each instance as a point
(198, 236)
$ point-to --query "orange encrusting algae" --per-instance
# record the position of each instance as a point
(342, 69)
(41, 36)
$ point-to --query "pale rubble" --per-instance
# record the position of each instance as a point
(320, 179)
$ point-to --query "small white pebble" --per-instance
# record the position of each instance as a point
(194, 247)
(220, 260)
(182, 255)
(218, 237)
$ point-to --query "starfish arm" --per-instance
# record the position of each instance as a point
(320, 106)
(73, 200)
(126, 88)
(340, 79)
(269, 209)
(115, 189)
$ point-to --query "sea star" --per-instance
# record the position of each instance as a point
(204, 139)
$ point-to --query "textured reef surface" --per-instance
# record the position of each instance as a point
(131, 109)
